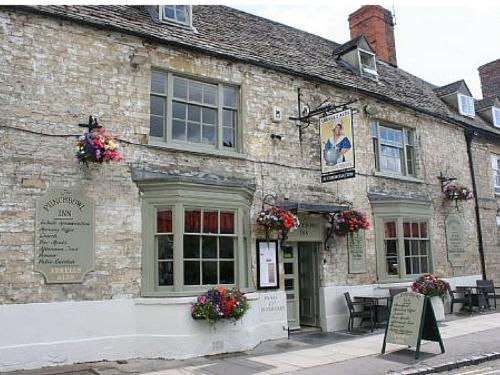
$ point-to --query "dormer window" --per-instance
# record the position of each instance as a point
(367, 64)
(496, 116)
(466, 105)
(180, 14)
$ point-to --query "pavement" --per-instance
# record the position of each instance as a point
(468, 340)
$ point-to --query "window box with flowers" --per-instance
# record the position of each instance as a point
(218, 304)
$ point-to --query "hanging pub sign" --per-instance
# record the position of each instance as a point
(337, 146)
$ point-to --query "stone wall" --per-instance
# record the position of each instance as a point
(55, 73)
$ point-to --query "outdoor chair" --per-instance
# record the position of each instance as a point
(487, 289)
(395, 291)
(368, 312)
(466, 299)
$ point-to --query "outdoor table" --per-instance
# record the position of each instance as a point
(376, 299)
(477, 298)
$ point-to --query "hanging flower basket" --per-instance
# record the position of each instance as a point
(457, 192)
(220, 303)
(276, 219)
(350, 221)
(97, 146)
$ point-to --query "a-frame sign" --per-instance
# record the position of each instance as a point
(411, 319)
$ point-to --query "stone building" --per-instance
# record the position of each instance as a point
(203, 101)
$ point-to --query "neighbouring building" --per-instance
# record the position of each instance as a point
(203, 101)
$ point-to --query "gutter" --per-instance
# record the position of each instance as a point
(469, 135)
(149, 37)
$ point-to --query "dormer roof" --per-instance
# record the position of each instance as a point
(458, 87)
(486, 103)
(358, 42)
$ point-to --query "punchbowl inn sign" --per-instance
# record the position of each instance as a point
(64, 236)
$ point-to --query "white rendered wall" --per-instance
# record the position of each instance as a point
(48, 334)
(333, 308)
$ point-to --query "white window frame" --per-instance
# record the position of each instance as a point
(495, 159)
(493, 111)
(189, 12)
(406, 148)
(367, 71)
(168, 97)
(463, 110)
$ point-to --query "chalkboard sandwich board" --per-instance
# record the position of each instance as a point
(411, 319)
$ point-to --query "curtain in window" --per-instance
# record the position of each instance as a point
(192, 221)
(227, 222)
(164, 221)
(210, 222)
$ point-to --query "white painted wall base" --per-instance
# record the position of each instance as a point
(48, 334)
(333, 308)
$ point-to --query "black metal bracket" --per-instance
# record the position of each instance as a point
(306, 115)
(92, 124)
(445, 180)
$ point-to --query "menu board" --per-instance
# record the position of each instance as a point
(411, 319)
(64, 236)
(356, 248)
(267, 264)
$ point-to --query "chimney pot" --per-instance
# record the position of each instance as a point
(377, 25)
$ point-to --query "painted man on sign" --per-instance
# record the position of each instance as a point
(337, 142)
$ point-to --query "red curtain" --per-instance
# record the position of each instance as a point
(227, 222)
(390, 230)
(164, 221)
(192, 221)
(210, 222)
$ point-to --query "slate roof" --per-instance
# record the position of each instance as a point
(353, 43)
(449, 88)
(487, 102)
(232, 34)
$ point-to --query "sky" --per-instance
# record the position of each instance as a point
(439, 43)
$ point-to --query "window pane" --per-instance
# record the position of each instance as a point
(410, 162)
(409, 137)
(288, 268)
(157, 105)
(390, 229)
(424, 261)
(423, 230)
(228, 137)
(414, 230)
(209, 247)
(179, 130)
(288, 284)
(230, 97)
(180, 88)
(227, 222)
(193, 132)
(192, 221)
(165, 247)
(229, 118)
(168, 11)
(209, 273)
(158, 82)
(194, 113)
(181, 13)
(191, 273)
(391, 247)
(415, 262)
(408, 269)
(423, 248)
(210, 94)
(407, 248)
(209, 135)
(209, 116)
(392, 266)
(210, 222)
(226, 272)
(156, 126)
(406, 229)
(164, 221)
(195, 91)
(178, 110)
(166, 273)
(226, 247)
(191, 246)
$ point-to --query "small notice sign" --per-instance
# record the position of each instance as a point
(455, 240)
(356, 248)
(267, 264)
(411, 319)
(64, 236)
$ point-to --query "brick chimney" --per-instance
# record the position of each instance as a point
(490, 78)
(376, 23)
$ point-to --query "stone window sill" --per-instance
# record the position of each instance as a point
(398, 177)
(197, 149)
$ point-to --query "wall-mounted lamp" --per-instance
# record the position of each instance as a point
(137, 60)
(278, 137)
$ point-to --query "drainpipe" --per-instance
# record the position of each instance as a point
(469, 135)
